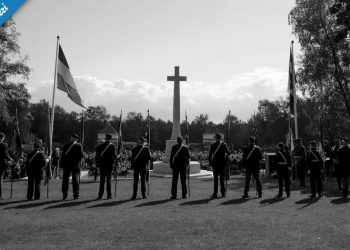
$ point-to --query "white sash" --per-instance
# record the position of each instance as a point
(138, 154)
(70, 148)
(251, 152)
(284, 158)
(105, 149)
(37, 152)
(177, 152)
(316, 158)
(217, 149)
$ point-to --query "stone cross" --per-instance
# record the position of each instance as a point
(176, 104)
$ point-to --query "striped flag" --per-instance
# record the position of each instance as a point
(120, 137)
(148, 130)
(16, 144)
(65, 81)
(291, 84)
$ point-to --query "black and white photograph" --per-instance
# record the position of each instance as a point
(174, 124)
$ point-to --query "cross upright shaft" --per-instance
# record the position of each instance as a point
(176, 103)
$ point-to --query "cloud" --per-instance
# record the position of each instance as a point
(239, 92)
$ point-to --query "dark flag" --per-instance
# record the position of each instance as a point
(16, 141)
(187, 132)
(120, 137)
(291, 83)
(148, 130)
(255, 128)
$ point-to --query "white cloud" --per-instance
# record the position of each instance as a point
(239, 92)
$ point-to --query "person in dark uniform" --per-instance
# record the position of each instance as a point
(140, 158)
(105, 157)
(283, 163)
(315, 163)
(217, 159)
(179, 162)
(300, 161)
(344, 166)
(36, 163)
(4, 158)
(252, 157)
(72, 153)
(335, 163)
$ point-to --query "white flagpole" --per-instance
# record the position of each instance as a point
(295, 98)
(52, 113)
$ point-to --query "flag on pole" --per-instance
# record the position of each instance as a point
(65, 81)
(16, 144)
(148, 130)
(255, 127)
(187, 132)
(291, 83)
(120, 137)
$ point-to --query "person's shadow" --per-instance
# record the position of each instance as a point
(271, 201)
(196, 202)
(340, 201)
(307, 202)
(154, 203)
(235, 201)
(31, 204)
(64, 204)
(110, 204)
(5, 203)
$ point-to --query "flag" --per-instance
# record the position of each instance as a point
(148, 130)
(65, 81)
(291, 84)
(255, 128)
(229, 127)
(16, 144)
(120, 137)
(187, 132)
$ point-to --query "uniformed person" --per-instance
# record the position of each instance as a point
(300, 161)
(217, 159)
(344, 166)
(105, 157)
(315, 163)
(252, 157)
(72, 154)
(4, 158)
(179, 162)
(335, 163)
(140, 158)
(283, 162)
(36, 163)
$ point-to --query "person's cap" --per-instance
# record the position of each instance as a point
(252, 139)
(280, 144)
(108, 136)
(2, 134)
(141, 138)
(217, 136)
(75, 135)
(179, 138)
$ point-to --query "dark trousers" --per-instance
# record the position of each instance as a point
(248, 174)
(221, 174)
(176, 173)
(34, 187)
(301, 171)
(106, 176)
(345, 185)
(316, 182)
(65, 182)
(2, 170)
(283, 177)
(139, 173)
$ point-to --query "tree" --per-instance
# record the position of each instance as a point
(341, 9)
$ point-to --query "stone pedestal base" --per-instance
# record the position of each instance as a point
(160, 167)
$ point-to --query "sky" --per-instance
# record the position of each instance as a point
(120, 52)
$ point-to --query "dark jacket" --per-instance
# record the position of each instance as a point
(107, 159)
(71, 159)
(253, 162)
(218, 161)
(344, 160)
(36, 162)
(4, 156)
(140, 163)
(314, 160)
(181, 160)
(283, 158)
(300, 152)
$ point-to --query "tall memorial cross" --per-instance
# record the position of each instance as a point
(176, 78)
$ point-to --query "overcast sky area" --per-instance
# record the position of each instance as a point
(234, 53)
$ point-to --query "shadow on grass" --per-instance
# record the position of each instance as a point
(110, 204)
(31, 204)
(307, 202)
(271, 201)
(340, 201)
(11, 202)
(65, 204)
(197, 202)
(236, 201)
(154, 203)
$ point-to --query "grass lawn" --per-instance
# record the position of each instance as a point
(159, 223)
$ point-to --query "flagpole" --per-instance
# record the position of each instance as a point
(52, 113)
(295, 97)
(149, 145)
(188, 145)
(118, 153)
(227, 172)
